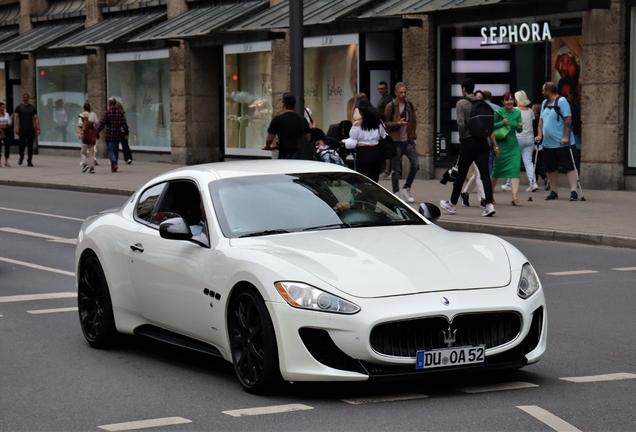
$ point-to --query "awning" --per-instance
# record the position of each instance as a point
(314, 12)
(38, 38)
(407, 7)
(109, 30)
(6, 34)
(201, 22)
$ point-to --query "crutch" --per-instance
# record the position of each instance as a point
(578, 180)
(534, 174)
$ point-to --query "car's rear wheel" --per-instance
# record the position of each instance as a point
(94, 305)
(253, 342)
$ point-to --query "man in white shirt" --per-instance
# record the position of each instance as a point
(5, 124)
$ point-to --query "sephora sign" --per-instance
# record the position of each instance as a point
(516, 33)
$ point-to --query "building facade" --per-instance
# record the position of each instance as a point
(201, 79)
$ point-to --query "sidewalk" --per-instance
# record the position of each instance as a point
(606, 218)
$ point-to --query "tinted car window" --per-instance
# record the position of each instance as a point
(148, 201)
(263, 205)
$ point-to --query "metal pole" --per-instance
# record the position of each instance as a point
(296, 61)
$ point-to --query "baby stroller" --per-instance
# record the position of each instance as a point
(325, 149)
(337, 132)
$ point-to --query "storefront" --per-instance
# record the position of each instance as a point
(331, 83)
(630, 112)
(506, 56)
(140, 81)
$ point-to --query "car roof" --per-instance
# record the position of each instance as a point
(224, 170)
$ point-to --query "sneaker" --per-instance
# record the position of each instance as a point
(546, 184)
(446, 205)
(30, 164)
(96, 162)
(553, 195)
(506, 187)
(91, 171)
(533, 187)
(406, 193)
(397, 194)
(113, 167)
(489, 210)
(129, 161)
(390, 175)
(574, 196)
(20, 161)
(482, 203)
(384, 175)
(85, 167)
(464, 198)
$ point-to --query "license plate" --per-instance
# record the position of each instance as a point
(450, 357)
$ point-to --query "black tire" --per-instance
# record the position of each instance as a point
(94, 305)
(253, 342)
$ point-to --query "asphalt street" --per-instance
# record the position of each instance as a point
(50, 379)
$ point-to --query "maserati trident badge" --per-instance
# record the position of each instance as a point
(445, 301)
(449, 337)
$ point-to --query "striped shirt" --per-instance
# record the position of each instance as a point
(115, 124)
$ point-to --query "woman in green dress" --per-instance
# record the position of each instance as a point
(508, 164)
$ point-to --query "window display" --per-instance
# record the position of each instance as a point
(140, 81)
(61, 89)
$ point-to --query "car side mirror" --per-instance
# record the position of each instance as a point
(175, 229)
(430, 211)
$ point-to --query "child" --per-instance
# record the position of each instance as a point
(88, 135)
(322, 151)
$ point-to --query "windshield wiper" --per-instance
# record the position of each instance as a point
(372, 223)
(321, 227)
(265, 232)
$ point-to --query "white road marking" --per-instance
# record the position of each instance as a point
(142, 424)
(515, 385)
(598, 378)
(548, 418)
(71, 241)
(625, 269)
(30, 233)
(35, 266)
(276, 409)
(394, 398)
(31, 297)
(41, 214)
(570, 273)
(48, 311)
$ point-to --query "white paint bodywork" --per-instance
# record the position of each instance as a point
(391, 273)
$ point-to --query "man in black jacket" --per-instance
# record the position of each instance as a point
(289, 127)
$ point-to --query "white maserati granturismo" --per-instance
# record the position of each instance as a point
(304, 271)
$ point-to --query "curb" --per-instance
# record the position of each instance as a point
(541, 234)
(67, 187)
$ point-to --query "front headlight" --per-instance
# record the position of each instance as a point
(528, 283)
(303, 296)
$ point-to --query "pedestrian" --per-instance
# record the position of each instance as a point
(289, 127)
(383, 89)
(27, 127)
(354, 116)
(5, 132)
(322, 150)
(88, 136)
(401, 123)
(365, 139)
(555, 134)
(575, 108)
(92, 117)
(526, 138)
(473, 148)
(539, 169)
(124, 143)
(474, 182)
(116, 130)
(309, 116)
(487, 96)
(508, 163)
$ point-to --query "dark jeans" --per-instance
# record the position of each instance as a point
(126, 149)
(476, 150)
(27, 137)
(407, 149)
(113, 151)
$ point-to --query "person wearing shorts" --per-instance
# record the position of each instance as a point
(555, 134)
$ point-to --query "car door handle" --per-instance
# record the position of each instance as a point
(137, 247)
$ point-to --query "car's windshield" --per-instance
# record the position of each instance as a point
(275, 204)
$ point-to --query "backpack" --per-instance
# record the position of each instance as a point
(481, 122)
(555, 107)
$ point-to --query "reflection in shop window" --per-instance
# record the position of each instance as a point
(248, 102)
(140, 81)
(61, 89)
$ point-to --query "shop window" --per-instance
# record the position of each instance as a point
(248, 97)
(3, 86)
(140, 81)
(61, 90)
(631, 119)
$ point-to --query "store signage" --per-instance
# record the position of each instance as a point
(526, 32)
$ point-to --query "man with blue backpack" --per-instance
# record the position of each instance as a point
(475, 121)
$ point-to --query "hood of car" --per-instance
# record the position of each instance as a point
(380, 261)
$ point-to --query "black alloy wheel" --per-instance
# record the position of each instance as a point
(94, 305)
(253, 342)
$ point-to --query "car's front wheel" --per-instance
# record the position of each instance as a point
(94, 305)
(253, 342)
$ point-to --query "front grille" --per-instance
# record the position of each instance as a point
(406, 338)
